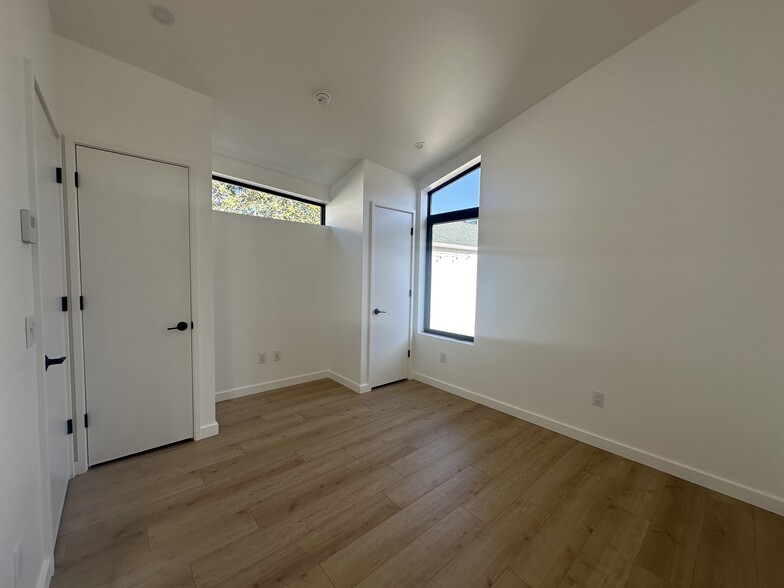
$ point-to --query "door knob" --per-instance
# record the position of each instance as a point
(181, 326)
(377, 311)
(52, 361)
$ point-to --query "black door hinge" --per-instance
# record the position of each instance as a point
(409, 292)
(58, 175)
(86, 421)
(69, 427)
(81, 302)
(412, 231)
(64, 303)
(76, 179)
(409, 353)
(191, 325)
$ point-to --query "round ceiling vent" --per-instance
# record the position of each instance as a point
(162, 15)
(419, 145)
(322, 98)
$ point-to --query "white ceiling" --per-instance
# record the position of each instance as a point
(446, 72)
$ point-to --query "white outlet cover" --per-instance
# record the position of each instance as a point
(597, 399)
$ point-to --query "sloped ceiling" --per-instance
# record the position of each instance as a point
(446, 72)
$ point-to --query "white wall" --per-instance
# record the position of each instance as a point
(108, 103)
(345, 213)
(382, 186)
(25, 32)
(239, 170)
(630, 241)
(272, 285)
(348, 215)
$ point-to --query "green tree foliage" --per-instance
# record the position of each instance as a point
(240, 200)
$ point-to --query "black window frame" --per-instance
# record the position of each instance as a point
(437, 219)
(249, 186)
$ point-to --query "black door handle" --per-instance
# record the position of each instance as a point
(181, 326)
(377, 311)
(52, 361)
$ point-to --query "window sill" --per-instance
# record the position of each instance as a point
(446, 338)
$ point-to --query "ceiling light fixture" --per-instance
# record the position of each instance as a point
(419, 145)
(162, 15)
(322, 98)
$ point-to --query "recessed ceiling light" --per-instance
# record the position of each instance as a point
(419, 145)
(162, 15)
(322, 98)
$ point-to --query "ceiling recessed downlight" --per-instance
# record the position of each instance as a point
(419, 145)
(162, 15)
(322, 98)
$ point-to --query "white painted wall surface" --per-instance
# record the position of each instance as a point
(345, 213)
(631, 232)
(382, 186)
(109, 103)
(239, 170)
(348, 216)
(271, 294)
(25, 32)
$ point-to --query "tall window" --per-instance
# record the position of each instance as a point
(452, 234)
(241, 198)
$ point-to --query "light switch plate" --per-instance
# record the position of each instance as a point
(30, 328)
(29, 226)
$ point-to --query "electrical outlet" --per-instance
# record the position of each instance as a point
(276, 356)
(443, 357)
(597, 399)
(262, 358)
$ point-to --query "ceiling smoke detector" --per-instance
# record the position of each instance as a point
(322, 98)
(419, 145)
(162, 15)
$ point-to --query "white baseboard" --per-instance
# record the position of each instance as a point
(209, 430)
(350, 384)
(267, 386)
(736, 490)
(46, 573)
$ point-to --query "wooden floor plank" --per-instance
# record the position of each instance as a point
(502, 491)
(300, 485)
(485, 558)
(770, 548)
(608, 556)
(547, 556)
(727, 554)
(359, 559)
(313, 578)
(426, 555)
(670, 547)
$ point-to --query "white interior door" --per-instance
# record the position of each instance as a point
(390, 294)
(53, 324)
(135, 270)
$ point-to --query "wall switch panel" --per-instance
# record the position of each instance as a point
(29, 226)
(30, 328)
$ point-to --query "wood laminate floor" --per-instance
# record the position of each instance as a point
(405, 486)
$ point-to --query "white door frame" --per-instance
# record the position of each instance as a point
(373, 206)
(34, 92)
(74, 292)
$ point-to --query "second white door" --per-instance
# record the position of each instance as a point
(390, 294)
(135, 268)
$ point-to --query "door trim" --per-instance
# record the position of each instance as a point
(33, 92)
(373, 206)
(200, 430)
